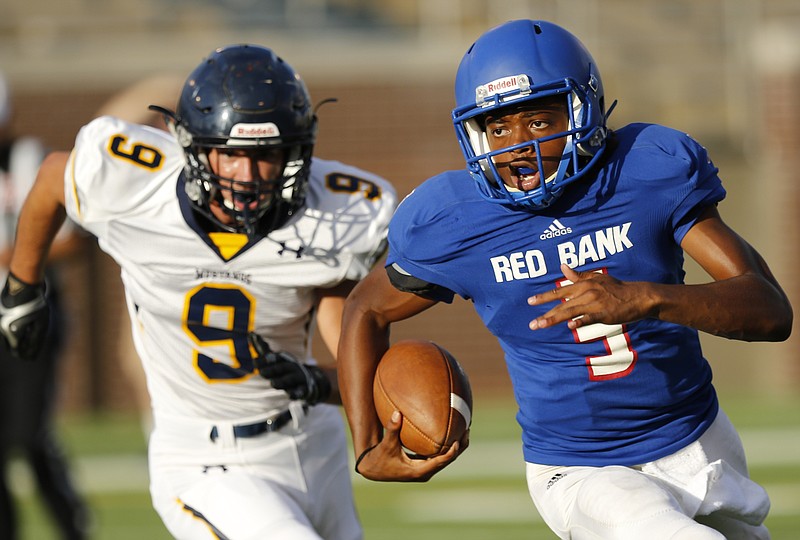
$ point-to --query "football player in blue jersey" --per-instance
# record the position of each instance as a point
(569, 238)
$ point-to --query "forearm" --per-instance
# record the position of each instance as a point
(31, 250)
(746, 307)
(745, 301)
(370, 310)
(360, 348)
(331, 373)
(40, 219)
(329, 325)
(60, 250)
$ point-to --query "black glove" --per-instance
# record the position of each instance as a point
(300, 381)
(24, 317)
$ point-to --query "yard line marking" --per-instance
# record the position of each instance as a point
(483, 459)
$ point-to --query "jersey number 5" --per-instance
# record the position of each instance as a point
(621, 357)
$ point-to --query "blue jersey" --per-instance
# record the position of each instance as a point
(603, 394)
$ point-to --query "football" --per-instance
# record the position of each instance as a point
(430, 389)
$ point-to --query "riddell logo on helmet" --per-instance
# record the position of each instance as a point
(502, 84)
(252, 131)
(520, 83)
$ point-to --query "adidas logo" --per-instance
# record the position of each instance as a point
(555, 229)
(554, 479)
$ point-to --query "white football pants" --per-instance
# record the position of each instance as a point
(701, 492)
(291, 484)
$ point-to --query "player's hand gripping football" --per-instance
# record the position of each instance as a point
(388, 461)
(300, 381)
(592, 297)
(24, 317)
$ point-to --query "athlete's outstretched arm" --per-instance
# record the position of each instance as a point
(744, 301)
(369, 311)
(40, 219)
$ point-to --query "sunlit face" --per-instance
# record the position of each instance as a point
(244, 172)
(514, 125)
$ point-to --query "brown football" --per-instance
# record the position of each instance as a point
(430, 389)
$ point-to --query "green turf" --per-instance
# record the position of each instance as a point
(464, 502)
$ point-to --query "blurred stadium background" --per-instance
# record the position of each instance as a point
(726, 71)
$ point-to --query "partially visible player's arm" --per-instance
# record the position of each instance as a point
(329, 324)
(40, 219)
(310, 383)
(743, 302)
(369, 311)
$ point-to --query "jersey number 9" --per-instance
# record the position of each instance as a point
(217, 318)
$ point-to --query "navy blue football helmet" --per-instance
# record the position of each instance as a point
(514, 63)
(245, 97)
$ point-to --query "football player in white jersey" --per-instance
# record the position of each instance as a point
(233, 245)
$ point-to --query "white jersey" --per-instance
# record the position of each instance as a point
(193, 296)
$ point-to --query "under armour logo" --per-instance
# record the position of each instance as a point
(15, 286)
(298, 252)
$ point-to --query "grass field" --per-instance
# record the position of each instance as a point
(481, 496)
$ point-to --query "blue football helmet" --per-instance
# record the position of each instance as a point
(245, 97)
(514, 63)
